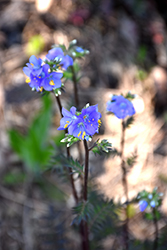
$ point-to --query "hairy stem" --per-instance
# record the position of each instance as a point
(155, 245)
(86, 170)
(85, 238)
(74, 78)
(68, 155)
(125, 186)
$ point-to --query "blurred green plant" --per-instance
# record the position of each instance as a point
(35, 45)
(33, 148)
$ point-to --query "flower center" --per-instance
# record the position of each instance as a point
(28, 80)
(122, 105)
(51, 83)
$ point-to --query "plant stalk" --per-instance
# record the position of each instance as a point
(125, 186)
(155, 245)
(75, 195)
(74, 78)
(85, 238)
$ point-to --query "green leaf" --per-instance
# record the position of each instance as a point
(68, 74)
(84, 211)
(149, 216)
(102, 147)
(76, 67)
(131, 160)
(63, 161)
(129, 122)
(129, 96)
(70, 140)
(33, 148)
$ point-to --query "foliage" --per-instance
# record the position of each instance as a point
(35, 45)
(61, 161)
(33, 148)
(129, 122)
(102, 147)
(131, 160)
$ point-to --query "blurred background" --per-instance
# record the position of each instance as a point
(127, 40)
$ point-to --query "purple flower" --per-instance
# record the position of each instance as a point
(58, 55)
(78, 129)
(33, 67)
(142, 205)
(91, 118)
(66, 62)
(121, 107)
(51, 80)
(79, 50)
(152, 203)
(83, 125)
(55, 53)
(68, 119)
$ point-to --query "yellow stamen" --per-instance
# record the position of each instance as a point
(83, 135)
(40, 89)
(51, 82)
(28, 80)
(67, 121)
(99, 122)
(32, 64)
(93, 119)
(66, 126)
(79, 133)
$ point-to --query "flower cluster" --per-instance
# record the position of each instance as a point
(40, 73)
(147, 199)
(120, 106)
(81, 124)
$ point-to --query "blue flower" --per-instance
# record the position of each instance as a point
(51, 80)
(82, 125)
(78, 129)
(55, 53)
(58, 55)
(68, 119)
(121, 107)
(152, 203)
(66, 62)
(142, 205)
(79, 50)
(150, 196)
(91, 118)
(34, 66)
